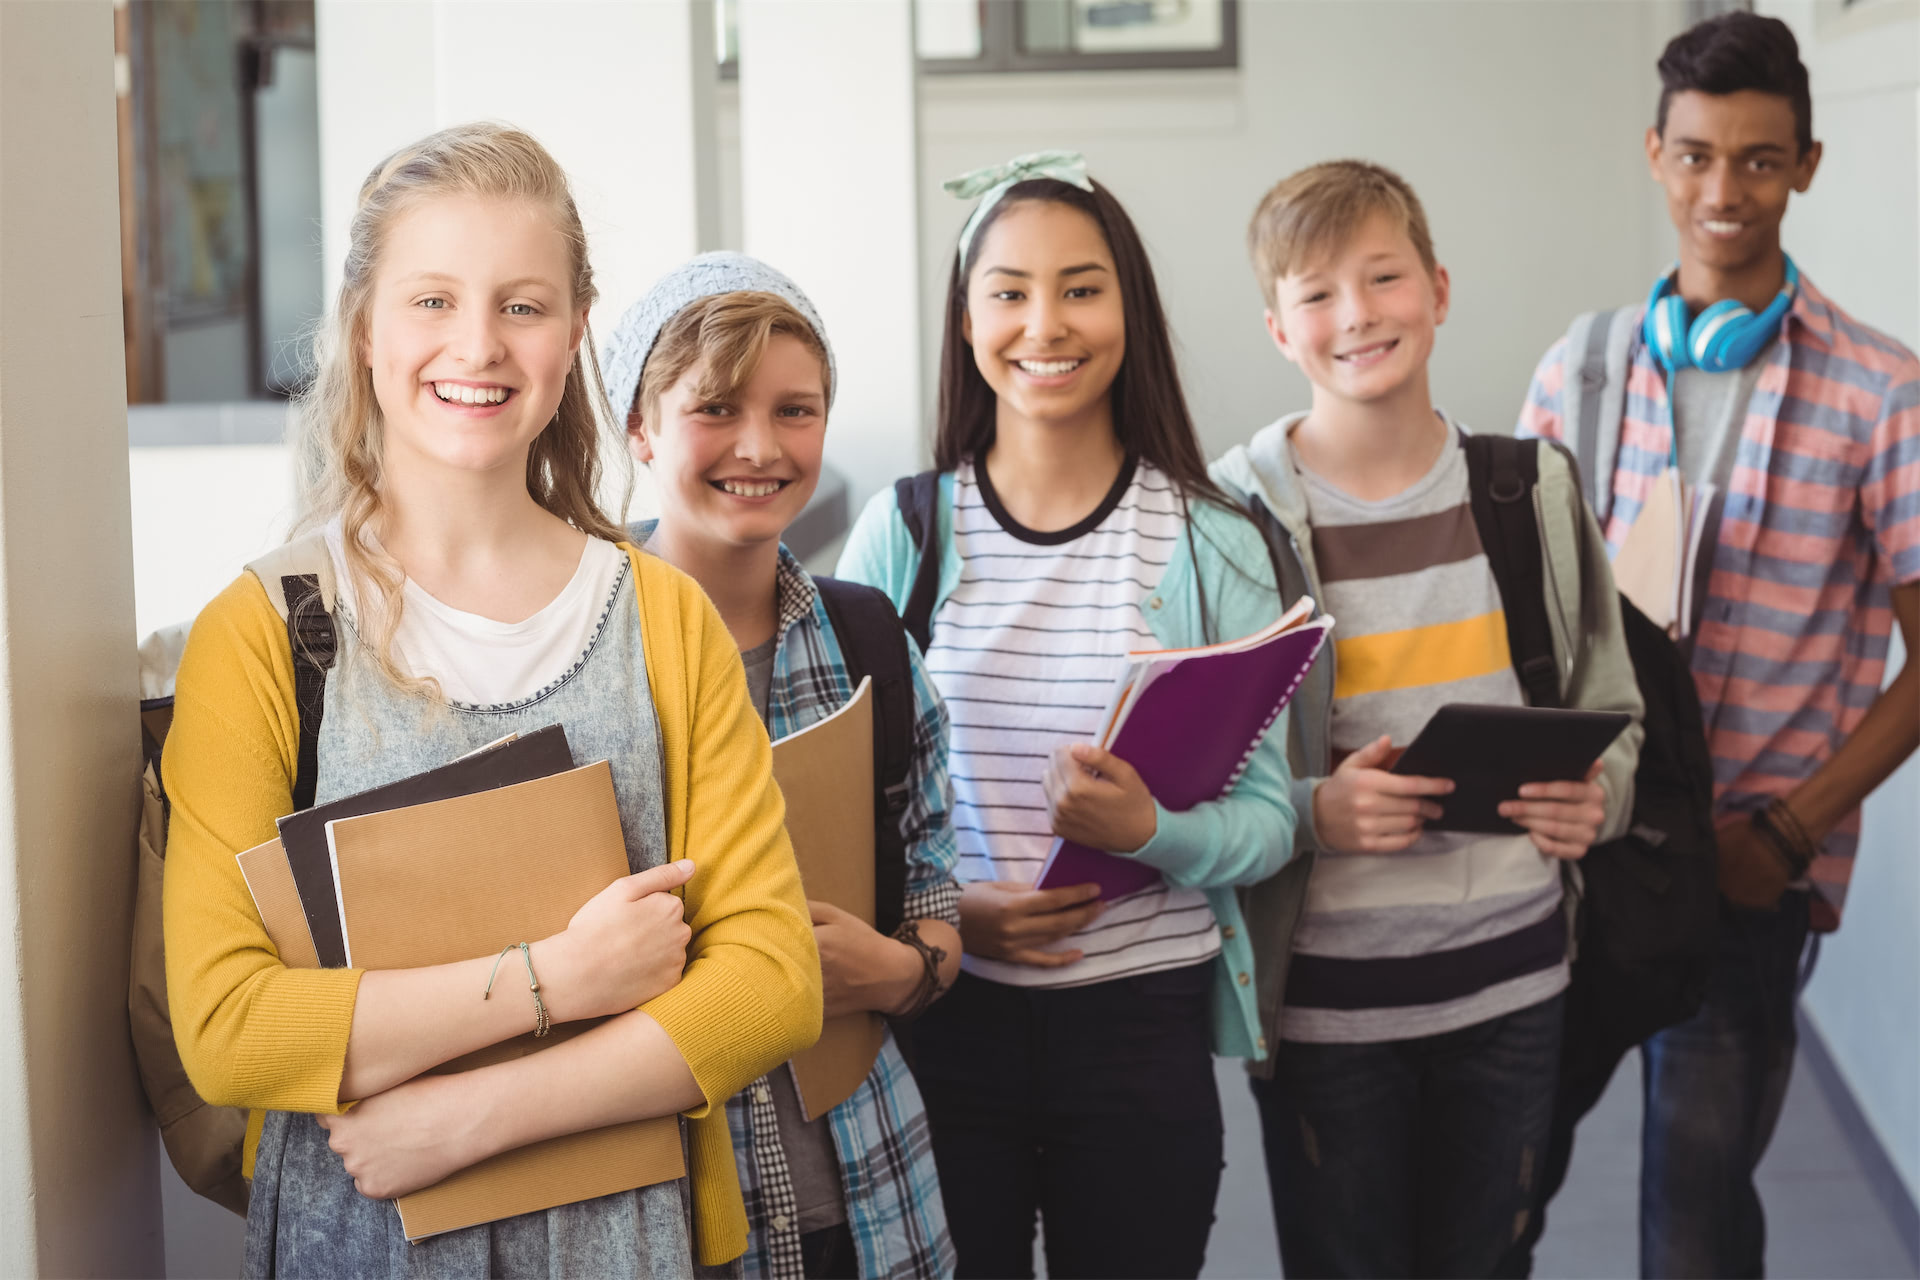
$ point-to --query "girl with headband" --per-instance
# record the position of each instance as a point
(1073, 520)
(474, 588)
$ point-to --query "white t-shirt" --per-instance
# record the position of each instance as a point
(481, 662)
(1025, 652)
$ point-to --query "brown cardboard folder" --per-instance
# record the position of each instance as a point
(825, 773)
(465, 877)
(270, 881)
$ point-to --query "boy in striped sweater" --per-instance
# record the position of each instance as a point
(1415, 1006)
(1809, 425)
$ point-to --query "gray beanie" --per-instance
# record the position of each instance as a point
(624, 357)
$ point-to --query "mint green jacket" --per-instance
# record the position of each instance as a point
(1239, 839)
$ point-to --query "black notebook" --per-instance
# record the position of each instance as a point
(1489, 751)
(540, 754)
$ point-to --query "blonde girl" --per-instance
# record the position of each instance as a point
(451, 449)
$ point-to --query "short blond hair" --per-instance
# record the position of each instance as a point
(1313, 213)
(726, 334)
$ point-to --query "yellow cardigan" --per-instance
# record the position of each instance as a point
(254, 1033)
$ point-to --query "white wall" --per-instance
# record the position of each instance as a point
(78, 1194)
(187, 549)
(609, 87)
(1518, 124)
(827, 181)
(1857, 234)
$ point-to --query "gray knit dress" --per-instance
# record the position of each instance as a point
(305, 1218)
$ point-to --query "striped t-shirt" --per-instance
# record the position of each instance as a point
(1025, 652)
(1822, 516)
(1458, 928)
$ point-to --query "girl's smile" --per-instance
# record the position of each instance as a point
(475, 398)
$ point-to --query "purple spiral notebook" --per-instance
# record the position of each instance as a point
(1189, 720)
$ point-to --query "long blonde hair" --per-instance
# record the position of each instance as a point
(338, 420)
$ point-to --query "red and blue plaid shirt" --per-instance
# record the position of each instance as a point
(1822, 517)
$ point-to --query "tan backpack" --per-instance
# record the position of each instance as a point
(204, 1142)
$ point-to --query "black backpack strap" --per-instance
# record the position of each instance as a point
(918, 497)
(875, 645)
(310, 632)
(1501, 472)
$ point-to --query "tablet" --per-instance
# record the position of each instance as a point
(1489, 751)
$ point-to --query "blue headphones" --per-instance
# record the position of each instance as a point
(1724, 337)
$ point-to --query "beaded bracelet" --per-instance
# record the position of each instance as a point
(930, 958)
(540, 1023)
(1782, 829)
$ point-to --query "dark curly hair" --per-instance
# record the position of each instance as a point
(1736, 51)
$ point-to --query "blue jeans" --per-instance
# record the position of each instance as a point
(1714, 1085)
(1409, 1157)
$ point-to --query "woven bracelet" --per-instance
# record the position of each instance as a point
(540, 1023)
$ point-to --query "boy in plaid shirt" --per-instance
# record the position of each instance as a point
(1808, 424)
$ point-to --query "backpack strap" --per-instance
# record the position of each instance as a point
(918, 497)
(298, 578)
(1599, 353)
(874, 645)
(1501, 472)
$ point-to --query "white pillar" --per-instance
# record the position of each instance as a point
(79, 1194)
(620, 92)
(828, 173)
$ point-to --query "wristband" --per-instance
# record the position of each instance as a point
(930, 958)
(1783, 831)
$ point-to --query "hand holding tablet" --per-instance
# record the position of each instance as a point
(1491, 753)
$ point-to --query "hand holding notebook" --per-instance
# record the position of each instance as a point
(627, 945)
(451, 879)
(1187, 721)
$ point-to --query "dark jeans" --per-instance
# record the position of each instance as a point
(1092, 1107)
(1714, 1086)
(1409, 1157)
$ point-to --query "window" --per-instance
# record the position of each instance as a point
(220, 197)
(962, 36)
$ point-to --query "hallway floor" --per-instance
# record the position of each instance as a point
(1824, 1219)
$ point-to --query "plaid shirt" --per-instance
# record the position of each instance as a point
(1822, 516)
(894, 1211)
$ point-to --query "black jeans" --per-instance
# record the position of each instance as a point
(1409, 1157)
(1714, 1088)
(1092, 1107)
(828, 1254)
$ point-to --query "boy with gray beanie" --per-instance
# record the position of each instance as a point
(724, 377)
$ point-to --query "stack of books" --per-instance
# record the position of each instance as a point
(498, 847)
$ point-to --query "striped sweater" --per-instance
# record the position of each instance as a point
(1458, 928)
(1821, 517)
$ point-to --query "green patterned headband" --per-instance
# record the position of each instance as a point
(994, 181)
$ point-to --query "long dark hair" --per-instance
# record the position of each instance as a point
(1149, 409)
